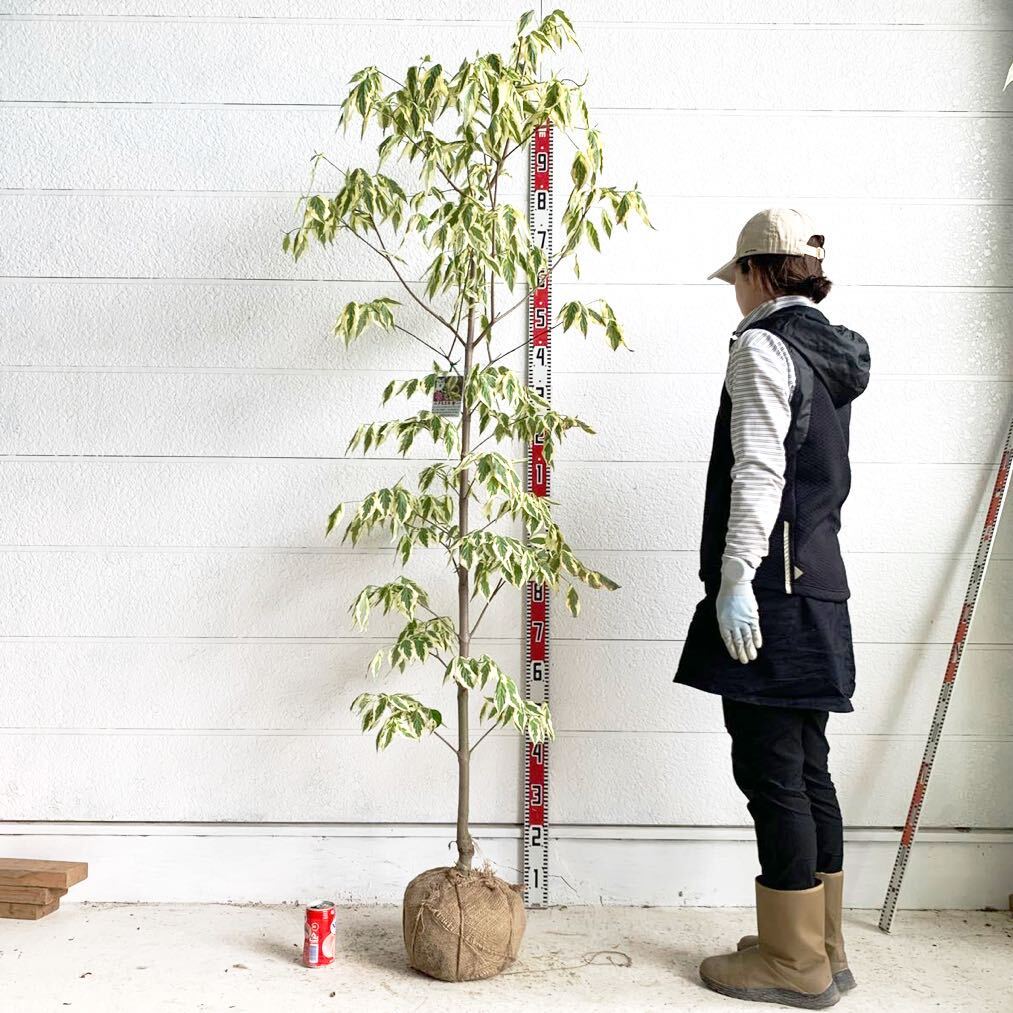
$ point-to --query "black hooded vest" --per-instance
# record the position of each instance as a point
(803, 555)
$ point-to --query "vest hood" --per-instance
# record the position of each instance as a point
(837, 354)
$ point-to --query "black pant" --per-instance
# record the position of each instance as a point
(779, 761)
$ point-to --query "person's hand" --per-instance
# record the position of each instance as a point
(739, 619)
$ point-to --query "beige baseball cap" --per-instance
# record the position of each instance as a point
(773, 230)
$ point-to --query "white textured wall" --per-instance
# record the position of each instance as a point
(174, 645)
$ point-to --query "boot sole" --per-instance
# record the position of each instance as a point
(845, 980)
(785, 996)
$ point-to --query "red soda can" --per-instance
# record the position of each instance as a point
(318, 935)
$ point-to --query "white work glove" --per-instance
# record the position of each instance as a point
(737, 613)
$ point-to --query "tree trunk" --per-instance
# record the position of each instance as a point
(465, 845)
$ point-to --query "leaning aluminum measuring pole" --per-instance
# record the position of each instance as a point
(992, 516)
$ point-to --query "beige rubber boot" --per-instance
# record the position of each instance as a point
(789, 963)
(833, 895)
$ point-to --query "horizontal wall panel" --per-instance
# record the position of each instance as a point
(288, 325)
(687, 779)
(285, 504)
(701, 153)
(690, 67)
(251, 778)
(918, 603)
(609, 779)
(888, 13)
(942, 418)
(615, 686)
(227, 325)
(944, 235)
(211, 325)
(288, 62)
(643, 506)
(228, 593)
(789, 12)
(299, 687)
(314, 415)
(921, 156)
(379, 10)
(625, 686)
(257, 61)
(645, 866)
(239, 236)
(217, 594)
(687, 328)
(212, 502)
(181, 414)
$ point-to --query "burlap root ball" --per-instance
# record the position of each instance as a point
(459, 926)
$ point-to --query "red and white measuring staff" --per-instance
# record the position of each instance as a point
(536, 596)
(992, 516)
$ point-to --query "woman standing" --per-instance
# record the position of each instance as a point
(772, 635)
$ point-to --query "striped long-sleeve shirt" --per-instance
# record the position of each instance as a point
(760, 379)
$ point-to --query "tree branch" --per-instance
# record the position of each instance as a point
(502, 581)
(493, 321)
(438, 351)
(435, 615)
(485, 439)
(445, 742)
(481, 738)
(386, 256)
(509, 351)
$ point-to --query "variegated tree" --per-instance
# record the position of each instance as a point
(471, 240)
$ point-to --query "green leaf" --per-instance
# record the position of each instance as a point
(376, 662)
(579, 170)
(334, 517)
(395, 714)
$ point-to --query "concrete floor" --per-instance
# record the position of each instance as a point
(119, 957)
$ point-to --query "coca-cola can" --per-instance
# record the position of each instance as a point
(318, 935)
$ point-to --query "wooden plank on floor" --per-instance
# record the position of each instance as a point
(30, 894)
(28, 912)
(37, 872)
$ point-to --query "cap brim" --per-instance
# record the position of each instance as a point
(726, 272)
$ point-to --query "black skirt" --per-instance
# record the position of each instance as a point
(807, 658)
